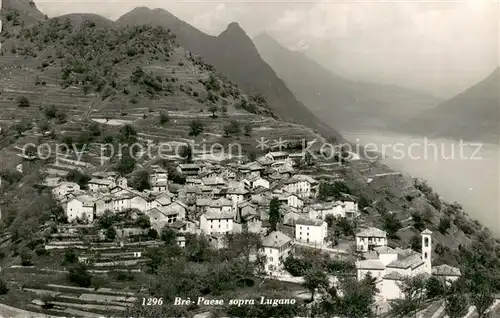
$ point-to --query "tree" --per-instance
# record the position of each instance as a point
(248, 129)
(233, 128)
(164, 118)
(344, 226)
(128, 134)
(4, 289)
(126, 165)
(434, 288)
(26, 257)
(168, 236)
(418, 221)
(186, 153)
(78, 177)
(196, 128)
(391, 224)
(143, 222)
(313, 279)
(456, 302)
(110, 233)
(482, 298)
(23, 101)
(70, 256)
(274, 213)
(413, 289)
(79, 275)
(213, 109)
(357, 300)
(444, 225)
(416, 243)
(140, 180)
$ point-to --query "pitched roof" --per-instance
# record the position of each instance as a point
(221, 202)
(445, 270)
(301, 177)
(218, 215)
(275, 239)
(104, 182)
(309, 222)
(407, 258)
(384, 250)
(372, 232)
(164, 199)
(370, 264)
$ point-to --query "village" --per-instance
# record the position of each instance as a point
(236, 197)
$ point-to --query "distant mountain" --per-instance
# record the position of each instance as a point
(234, 55)
(471, 115)
(347, 105)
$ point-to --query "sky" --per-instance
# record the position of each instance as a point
(439, 47)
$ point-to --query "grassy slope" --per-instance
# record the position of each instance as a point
(234, 55)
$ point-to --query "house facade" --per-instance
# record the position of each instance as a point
(311, 231)
(369, 238)
(276, 247)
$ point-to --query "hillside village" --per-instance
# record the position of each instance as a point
(87, 233)
(270, 197)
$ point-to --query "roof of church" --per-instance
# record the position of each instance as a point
(370, 264)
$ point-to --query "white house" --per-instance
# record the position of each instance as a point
(213, 221)
(369, 238)
(165, 215)
(158, 174)
(302, 185)
(97, 184)
(159, 186)
(189, 169)
(277, 246)
(294, 201)
(80, 208)
(275, 156)
(64, 189)
(255, 181)
(251, 169)
(311, 231)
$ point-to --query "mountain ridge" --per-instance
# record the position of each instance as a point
(473, 114)
(343, 102)
(234, 54)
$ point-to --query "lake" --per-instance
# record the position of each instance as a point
(464, 172)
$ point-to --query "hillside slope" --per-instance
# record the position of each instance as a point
(344, 103)
(234, 55)
(471, 115)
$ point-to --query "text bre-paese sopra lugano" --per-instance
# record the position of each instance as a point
(178, 301)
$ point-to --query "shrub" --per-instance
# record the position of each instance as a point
(196, 128)
(23, 101)
(163, 117)
(3, 287)
(79, 275)
(26, 257)
(70, 257)
(233, 128)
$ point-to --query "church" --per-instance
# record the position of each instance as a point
(391, 266)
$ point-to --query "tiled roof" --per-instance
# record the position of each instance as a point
(370, 264)
(275, 239)
(310, 222)
(372, 232)
(445, 270)
(301, 177)
(217, 215)
(407, 260)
